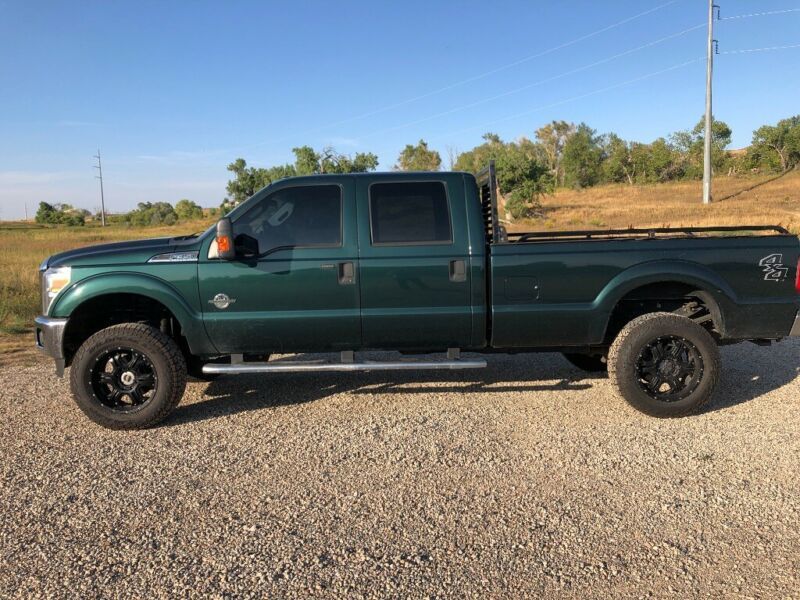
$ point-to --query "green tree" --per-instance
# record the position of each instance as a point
(522, 173)
(60, 214)
(248, 180)
(476, 159)
(188, 210)
(418, 158)
(582, 158)
(333, 162)
(691, 144)
(152, 213)
(522, 178)
(553, 137)
(328, 160)
(307, 162)
(619, 165)
(778, 144)
(46, 214)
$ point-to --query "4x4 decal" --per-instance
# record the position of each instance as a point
(773, 267)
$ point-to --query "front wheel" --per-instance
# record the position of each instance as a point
(128, 376)
(664, 365)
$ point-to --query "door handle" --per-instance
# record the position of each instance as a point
(347, 273)
(458, 270)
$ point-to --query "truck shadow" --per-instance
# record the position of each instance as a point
(748, 372)
(230, 395)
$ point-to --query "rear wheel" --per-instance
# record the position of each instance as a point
(664, 365)
(592, 363)
(128, 376)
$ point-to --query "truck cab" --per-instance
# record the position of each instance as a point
(345, 262)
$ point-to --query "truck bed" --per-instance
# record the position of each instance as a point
(567, 288)
(561, 289)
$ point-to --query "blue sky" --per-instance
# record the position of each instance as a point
(171, 92)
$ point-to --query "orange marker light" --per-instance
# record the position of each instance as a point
(224, 243)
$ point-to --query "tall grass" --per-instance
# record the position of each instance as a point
(23, 247)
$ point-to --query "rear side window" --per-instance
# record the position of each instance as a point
(409, 213)
(295, 217)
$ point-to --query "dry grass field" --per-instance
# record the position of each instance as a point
(673, 204)
(23, 246)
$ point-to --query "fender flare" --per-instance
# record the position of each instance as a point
(107, 284)
(716, 291)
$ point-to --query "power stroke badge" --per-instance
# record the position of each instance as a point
(222, 301)
(773, 267)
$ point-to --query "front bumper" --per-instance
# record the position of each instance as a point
(50, 340)
(795, 332)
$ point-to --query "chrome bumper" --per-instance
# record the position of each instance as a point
(795, 332)
(50, 340)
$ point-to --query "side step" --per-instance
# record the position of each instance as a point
(346, 365)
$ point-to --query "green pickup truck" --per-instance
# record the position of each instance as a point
(411, 262)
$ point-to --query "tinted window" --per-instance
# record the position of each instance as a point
(409, 213)
(297, 216)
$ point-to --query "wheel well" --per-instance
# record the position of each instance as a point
(112, 309)
(675, 297)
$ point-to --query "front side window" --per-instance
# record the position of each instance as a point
(409, 213)
(295, 217)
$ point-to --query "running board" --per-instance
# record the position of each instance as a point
(309, 366)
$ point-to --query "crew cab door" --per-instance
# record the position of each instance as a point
(413, 262)
(300, 292)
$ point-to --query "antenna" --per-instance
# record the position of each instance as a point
(99, 167)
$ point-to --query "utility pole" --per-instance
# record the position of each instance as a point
(709, 113)
(99, 167)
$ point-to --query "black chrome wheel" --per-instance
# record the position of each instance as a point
(128, 376)
(123, 379)
(664, 364)
(669, 368)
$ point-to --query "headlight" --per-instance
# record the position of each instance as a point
(53, 281)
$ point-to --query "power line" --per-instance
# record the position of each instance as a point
(535, 84)
(761, 14)
(574, 98)
(474, 78)
(768, 49)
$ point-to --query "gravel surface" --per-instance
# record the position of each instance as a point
(527, 478)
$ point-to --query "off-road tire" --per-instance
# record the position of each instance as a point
(591, 363)
(163, 355)
(625, 359)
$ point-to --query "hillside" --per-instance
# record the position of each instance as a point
(673, 204)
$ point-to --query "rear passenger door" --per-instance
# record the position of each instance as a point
(413, 263)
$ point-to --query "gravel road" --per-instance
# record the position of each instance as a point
(528, 478)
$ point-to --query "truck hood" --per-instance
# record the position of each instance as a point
(118, 253)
